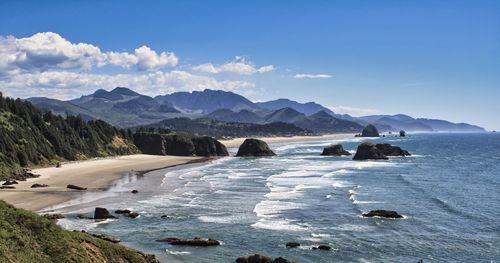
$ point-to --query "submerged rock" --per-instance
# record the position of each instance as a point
(322, 247)
(292, 244)
(391, 150)
(75, 187)
(335, 150)
(197, 242)
(383, 213)
(370, 131)
(254, 147)
(261, 259)
(369, 151)
(102, 213)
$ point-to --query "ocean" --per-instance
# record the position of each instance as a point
(448, 192)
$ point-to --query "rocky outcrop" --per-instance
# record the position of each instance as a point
(102, 213)
(254, 147)
(76, 187)
(39, 185)
(54, 217)
(197, 242)
(391, 150)
(10, 182)
(369, 151)
(402, 133)
(370, 131)
(179, 144)
(127, 213)
(383, 213)
(261, 259)
(322, 247)
(335, 150)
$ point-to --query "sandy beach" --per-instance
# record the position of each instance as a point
(99, 174)
(95, 174)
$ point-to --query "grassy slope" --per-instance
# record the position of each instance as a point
(28, 237)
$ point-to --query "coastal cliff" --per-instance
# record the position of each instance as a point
(179, 144)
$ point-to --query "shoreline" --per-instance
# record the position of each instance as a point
(96, 175)
(99, 174)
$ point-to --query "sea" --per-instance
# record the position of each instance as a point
(448, 192)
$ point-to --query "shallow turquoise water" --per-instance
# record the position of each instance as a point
(448, 191)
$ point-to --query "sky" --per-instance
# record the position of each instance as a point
(433, 59)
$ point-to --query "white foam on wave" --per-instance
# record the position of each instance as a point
(353, 228)
(272, 208)
(280, 225)
(231, 219)
(177, 253)
(341, 184)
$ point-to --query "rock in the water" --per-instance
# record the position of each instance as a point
(261, 259)
(7, 187)
(391, 150)
(369, 151)
(124, 211)
(53, 217)
(75, 187)
(10, 182)
(38, 185)
(179, 144)
(402, 133)
(197, 242)
(102, 213)
(82, 216)
(370, 131)
(322, 247)
(383, 213)
(335, 150)
(292, 244)
(254, 147)
(135, 191)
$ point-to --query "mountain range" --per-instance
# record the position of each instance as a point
(126, 108)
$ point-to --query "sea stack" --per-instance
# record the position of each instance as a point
(370, 131)
(402, 133)
(335, 150)
(369, 151)
(254, 147)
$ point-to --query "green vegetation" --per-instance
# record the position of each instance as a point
(218, 129)
(28, 237)
(33, 137)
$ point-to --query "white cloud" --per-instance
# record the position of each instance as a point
(238, 66)
(50, 51)
(65, 85)
(354, 111)
(312, 76)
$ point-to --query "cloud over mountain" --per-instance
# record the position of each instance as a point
(238, 66)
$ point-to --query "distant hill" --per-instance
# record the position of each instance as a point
(320, 122)
(207, 101)
(218, 129)
(308, 108)
(121, 107)
(243, 116)
(408, 123)
(34, 137)
(441, 125)
(287, 115)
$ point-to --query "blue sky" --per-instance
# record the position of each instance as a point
(436, 59)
